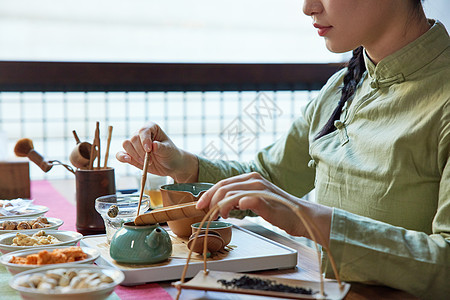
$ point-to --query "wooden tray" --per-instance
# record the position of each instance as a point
(246, 252)
(210, 282)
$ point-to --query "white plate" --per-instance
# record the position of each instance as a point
(92, 254)
(67, 238)
(86, 294)
(54, 222)
(32, 211)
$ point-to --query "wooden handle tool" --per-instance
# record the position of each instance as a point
(143, 180)
(170, 213)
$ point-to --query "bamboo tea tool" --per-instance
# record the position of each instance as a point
(95, 147)
(97, 139)
(24, 148)
(75, 135)
(143, 180)
(108, 143)
(80, 155)
(170, 213)
(216, 281)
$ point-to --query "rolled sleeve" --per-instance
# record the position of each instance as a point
(374, 252)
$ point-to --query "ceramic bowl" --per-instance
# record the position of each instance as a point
(53, 222)
(92, 255)
(224, 229)
(67, 238)
(178, 193)
(96, 293)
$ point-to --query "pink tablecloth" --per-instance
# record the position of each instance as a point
(43, 193)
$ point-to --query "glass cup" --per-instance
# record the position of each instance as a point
(127, 207)
(153, 188)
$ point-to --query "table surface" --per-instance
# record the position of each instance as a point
(307, 264)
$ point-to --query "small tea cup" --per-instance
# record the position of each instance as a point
(216, 228)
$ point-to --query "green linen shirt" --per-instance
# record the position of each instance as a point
(385, 170)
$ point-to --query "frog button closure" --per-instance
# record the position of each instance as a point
(342, 132)
(338, 124)
(312, 164)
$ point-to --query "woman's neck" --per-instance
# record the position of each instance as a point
(400, 34)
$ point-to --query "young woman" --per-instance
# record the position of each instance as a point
(375, 144)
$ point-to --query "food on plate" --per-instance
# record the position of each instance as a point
(9, 225)
(65, 280)
(37, 239)
(40, 222)
(57, 256)
(23, 225)
(5, 203)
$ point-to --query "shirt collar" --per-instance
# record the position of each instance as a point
(396, 67)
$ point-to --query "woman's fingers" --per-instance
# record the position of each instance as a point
(126, 158)
(138, 148)
(219, 190)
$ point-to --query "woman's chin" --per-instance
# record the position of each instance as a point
(338, 48)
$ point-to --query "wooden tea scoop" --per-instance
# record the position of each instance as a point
(170, 213)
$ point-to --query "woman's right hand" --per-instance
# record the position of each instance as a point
(166, 159)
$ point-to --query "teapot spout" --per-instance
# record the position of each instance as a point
(157, 238)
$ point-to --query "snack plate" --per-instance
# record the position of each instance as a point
(246, 252)
(31, 211)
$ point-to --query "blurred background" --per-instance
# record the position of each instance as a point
(149, 31)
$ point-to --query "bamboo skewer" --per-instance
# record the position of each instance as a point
(143, 180)
(108, 143)
(97, 139)
(91, 156)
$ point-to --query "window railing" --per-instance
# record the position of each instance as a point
(215, 110)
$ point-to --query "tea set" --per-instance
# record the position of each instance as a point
(144, 241)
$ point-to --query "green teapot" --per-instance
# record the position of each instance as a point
(147, 244)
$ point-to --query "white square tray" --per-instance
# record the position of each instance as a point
(250, 252)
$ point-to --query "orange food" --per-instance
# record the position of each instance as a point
(57, 256)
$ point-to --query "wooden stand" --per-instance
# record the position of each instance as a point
(15, 180)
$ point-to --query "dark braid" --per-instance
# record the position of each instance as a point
(356, 69)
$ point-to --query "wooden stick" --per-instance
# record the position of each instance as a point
(108, 143)
(143, 180)
(91, 156)
(97, 138)
(75, 135)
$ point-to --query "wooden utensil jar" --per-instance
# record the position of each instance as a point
(91, 184)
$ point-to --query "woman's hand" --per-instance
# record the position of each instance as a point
(166, 159)
(274, 212)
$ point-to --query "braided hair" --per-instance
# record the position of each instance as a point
(355, 71)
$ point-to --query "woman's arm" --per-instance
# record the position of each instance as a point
(366, 250)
